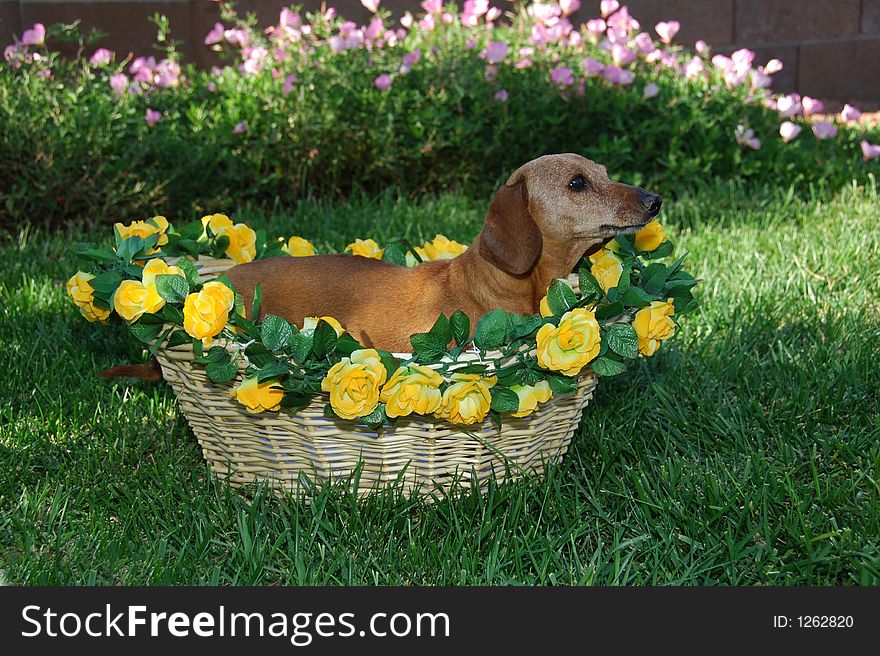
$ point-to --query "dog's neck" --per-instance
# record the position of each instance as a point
(487, 283)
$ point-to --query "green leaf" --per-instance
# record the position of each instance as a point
(389, 362)
(172, 288)
(654, 277)
(377, 417)
(560, 297)
(171, 314)
(560, 384)
(476, 368)
(190, 272)
(523, 325)
(610, 310)
(590, 287)
(460, 324)
(295, 401)
(346, 345)
(624, 282)
(189, 246)
(192, 231)
(215, 354)
(106, 283)
(177, 338)
(491, 330)
(428, 345)
(272, 369)
(636, 297)
(97, 254)
(395, 253)
(300, 347)
(625, 244)
(607, 367)
(145, 333)
(275, 333)
(258, 301)
(221, 372)
(622, 339)
(129, 247)
(504, 399)
(528, 376)
(324, 339)
(663, 250)
(259, 355)
(442, 329)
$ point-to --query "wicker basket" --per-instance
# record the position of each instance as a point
(419, 453)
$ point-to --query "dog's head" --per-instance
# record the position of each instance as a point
(565, 204)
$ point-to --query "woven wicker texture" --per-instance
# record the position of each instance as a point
(422, 453)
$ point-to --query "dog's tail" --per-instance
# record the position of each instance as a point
(149, 371)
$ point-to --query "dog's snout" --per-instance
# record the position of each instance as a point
(651, 203)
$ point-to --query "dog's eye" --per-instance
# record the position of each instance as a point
(578, 183)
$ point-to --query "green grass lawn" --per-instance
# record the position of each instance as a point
(747, 451)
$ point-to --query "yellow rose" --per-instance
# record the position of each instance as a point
(413, 388)
(545, 308)
(366, 248)
(157, 267)
(571, 345)
(205, 313)
(161, 223)
(530, 396)
(259, 397)
(298, 247)
(133, 299)
(354, 383)
(467, 399)
(653, 325)
(606, 269)
(242, 243)
(217, 222)
(83, 296)
(650, 237)
(310, 323)
(441, 248)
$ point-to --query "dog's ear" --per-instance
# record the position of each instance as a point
(510, 238)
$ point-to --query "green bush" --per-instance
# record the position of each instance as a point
(71, 150)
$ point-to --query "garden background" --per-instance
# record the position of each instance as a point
(744, 452)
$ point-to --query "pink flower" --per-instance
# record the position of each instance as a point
(693, 68)
(167, 74)
(492, 14)
(811, 105)
(152, 117)
(490, 72)
(36, 36)
(215, 35)
(608, 7)
(240, 127)
(743, 57)
(789, 131)
(288, 18)
(759, 79)
(621, 55)
(651, 90)
(407, 20)
(212, 87)
(561, 76)
(383, 82)
(289, 81)
(789, 105)
(746, 137)
(501, 95)
(141, 69)
(433, 6)
(772, 67)
(44, 74)
(371, 5)
(850, 113)
(569, 6)
(596, 27)
(472, 11)
(102, 57)
(645, 43)
(701, 47)
(238, 38)
(119, 83)
(592, 67)
(495, 51)
(667, 30)
(869, 151)
(374, 30)
(824, 130)
(616, 75)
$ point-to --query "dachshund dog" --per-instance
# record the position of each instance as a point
(552, 211)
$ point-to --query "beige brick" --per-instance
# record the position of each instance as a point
(840, 70)
(764, 21)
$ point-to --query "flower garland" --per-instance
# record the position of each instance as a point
(628, 304)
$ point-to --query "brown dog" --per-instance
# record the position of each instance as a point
(551, 212)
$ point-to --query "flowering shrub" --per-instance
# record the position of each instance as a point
(441, 99)
(628, 304)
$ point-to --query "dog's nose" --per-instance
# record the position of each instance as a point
(651, 203)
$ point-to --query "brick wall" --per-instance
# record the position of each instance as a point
(831, 48)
